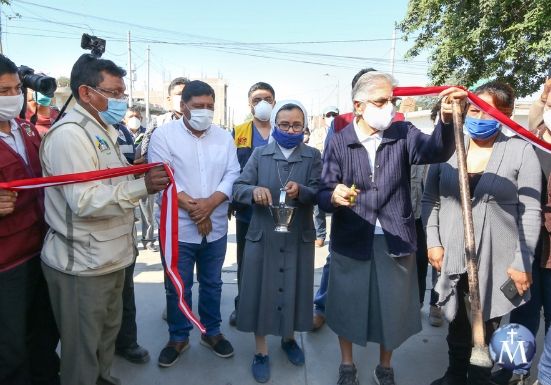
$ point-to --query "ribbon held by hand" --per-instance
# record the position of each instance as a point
(484, 106)
(168, 231)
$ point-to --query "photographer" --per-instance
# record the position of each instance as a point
(28, 334)
(39, 111)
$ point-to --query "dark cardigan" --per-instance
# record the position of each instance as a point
(384, 195)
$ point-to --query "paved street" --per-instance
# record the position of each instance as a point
(420, 360)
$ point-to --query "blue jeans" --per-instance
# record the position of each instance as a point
(544, 367)
(321, 294)
(209, 258)
(320, 223)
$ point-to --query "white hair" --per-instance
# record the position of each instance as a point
(369, 81)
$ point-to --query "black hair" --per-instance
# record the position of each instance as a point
(359, 75)
(196, 88)
(88, 69)
(290, 107)
(181, 81)
(502, 94)
(7, 66)
(261, 86)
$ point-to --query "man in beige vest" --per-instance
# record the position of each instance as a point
(90, 240)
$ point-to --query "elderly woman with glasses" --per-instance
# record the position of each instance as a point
(278, 268)
(373, 292)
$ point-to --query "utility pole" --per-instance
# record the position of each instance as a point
(147, 90)
(338, 94)
(1, 48)
(130, 74)
(393, 50)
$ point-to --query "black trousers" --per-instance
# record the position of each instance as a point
(423, 263)
(28, 333)
(460, 328)
(460, 340)
(128, 334)
(241, 229)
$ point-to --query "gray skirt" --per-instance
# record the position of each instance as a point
(374, 301)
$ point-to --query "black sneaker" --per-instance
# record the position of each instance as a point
(295, 355)
(171, 352)
(135, 354)
(383, 376)
(450, 379)
(218, 344)
(348, 375)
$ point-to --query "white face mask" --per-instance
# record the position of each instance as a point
(133, 123)
(378, 118)
(10, 107)
(328, 121)
(176, 99)
(200, 119)
(263, 111)
(547, 118)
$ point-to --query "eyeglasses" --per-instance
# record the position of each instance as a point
(116, 94)
(284, 126)
(267, 99)
(331, 115)
(384, 101)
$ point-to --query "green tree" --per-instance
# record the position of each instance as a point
(63, 81)
(469, 40)
(426, 102)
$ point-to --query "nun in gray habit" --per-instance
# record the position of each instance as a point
(278, 268)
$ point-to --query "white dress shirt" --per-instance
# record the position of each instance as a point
(202, 165)
(371, 144)
(15, 140)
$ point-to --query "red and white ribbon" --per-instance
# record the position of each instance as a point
(484, 106)
(168, 232)
(168, 235)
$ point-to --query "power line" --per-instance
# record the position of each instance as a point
(118, 22)
(239, 48)
(207, 38)
(35, 35)
(221, 49)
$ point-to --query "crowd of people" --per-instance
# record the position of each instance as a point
(66, 271)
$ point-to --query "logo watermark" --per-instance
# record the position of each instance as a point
(513, 347)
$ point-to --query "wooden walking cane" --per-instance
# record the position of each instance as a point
(480, 355)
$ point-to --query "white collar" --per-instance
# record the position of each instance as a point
(362, 137)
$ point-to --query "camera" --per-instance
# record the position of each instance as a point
(97, 47)
(95, 44)
(44, 84)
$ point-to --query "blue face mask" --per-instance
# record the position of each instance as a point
(481, 128)
(116, 109)
(287, 140)
(42, 99)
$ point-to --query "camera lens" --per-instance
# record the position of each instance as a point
(44, 84)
